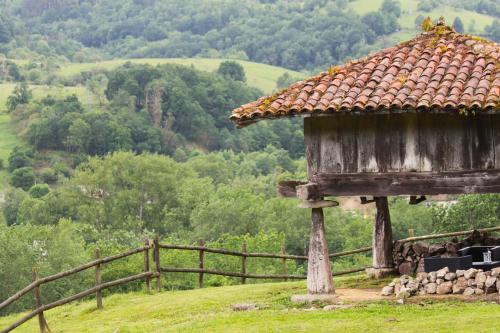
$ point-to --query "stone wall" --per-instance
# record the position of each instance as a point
(408, 257)
(469, 282)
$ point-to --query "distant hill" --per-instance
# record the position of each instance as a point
(474, 22)
(292, 34)
(261, 76)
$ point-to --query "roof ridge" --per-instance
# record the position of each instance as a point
(388, 79)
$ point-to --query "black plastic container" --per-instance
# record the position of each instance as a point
(432, 264)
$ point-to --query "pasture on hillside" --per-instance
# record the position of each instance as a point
(261, 76)
(409, 12)
(209, 310)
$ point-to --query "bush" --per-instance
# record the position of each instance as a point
(39, 190)
(23, 178)
(49, 176)
(1, 164)
(19, 158)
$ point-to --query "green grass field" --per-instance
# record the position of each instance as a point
(209, 310)
(8, 140)
(258, 75)
(410, 12)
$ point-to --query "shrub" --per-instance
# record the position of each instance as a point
(19, 158)
(39, 190)
(23, 178)
(49, 176)
(1, 164)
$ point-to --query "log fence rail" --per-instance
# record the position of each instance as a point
(148, 275)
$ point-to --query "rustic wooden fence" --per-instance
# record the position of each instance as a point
(150, 273)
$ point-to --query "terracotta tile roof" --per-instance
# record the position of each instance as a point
(439, 70)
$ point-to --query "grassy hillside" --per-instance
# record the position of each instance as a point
(258, 75)
(8, 138)
(410, 12)
(209, 310)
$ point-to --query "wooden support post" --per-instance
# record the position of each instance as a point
(42, 323)
(244, 262)
(382, 240)
(319, 272)
(201, 264)
(284, 268)
(157, 262)
(98, 280)
(147, 267)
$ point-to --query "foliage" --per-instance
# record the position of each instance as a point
(232, 70)
(20, 157)
(293, 35)
(458, 25)
(39, 190)
(21, 95)
(23, 178)
(468, 213)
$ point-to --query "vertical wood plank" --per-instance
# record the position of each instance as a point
(244, 262)
(157, 262)
(431, 141)
(98, 280)
(348, 130)
(312, 144)
(284, 268)
(410, 150)
(367, 161)
(42, 323)
(201, 264)
(147, 267)
(331, 157)
(482, 141)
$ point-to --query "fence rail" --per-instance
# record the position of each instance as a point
(148, 274)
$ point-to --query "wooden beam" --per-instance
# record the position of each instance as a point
(402, 183)
(318, 204)
(319, 272)
(382, 235)
(288, 188)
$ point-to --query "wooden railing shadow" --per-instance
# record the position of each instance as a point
(148, 274)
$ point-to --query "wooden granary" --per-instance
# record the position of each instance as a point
(421, 118)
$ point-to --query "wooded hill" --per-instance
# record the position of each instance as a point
(307, 34)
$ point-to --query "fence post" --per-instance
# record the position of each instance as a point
(98, 280)
(201, 264)
(284, 268)
(147, 269)
(157, 262)
(42, 323)
(244, 262)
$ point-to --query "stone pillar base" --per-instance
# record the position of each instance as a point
(311, 298)
(379, 273)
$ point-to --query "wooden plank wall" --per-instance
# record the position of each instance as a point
(402, 143)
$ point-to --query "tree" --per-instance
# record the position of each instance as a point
(23, 178)
(13, 199)
(232, 70)
(79, 135)
(458, 25)
(21, 95)
(391, 7)
(493, 30)
(39, 190)
(20, 157)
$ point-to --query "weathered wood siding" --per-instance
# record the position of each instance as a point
(402, 143)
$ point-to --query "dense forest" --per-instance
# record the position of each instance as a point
(307, 34)
(155, 153)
